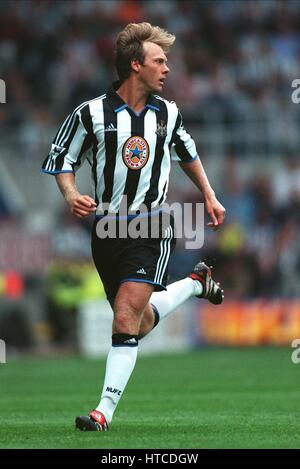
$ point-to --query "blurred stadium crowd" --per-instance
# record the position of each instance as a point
(231, 72)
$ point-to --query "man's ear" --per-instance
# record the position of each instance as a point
(135, 65)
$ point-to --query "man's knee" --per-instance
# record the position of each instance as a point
(129, 306)
(127, 317)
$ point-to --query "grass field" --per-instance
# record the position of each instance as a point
(211, 398)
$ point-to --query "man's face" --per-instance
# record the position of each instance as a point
(154, 70)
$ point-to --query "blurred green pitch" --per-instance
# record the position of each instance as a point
(210, 398)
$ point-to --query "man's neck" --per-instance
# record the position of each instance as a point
(133, 94)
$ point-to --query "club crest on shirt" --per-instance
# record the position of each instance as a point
(135, 152)
(161, 129)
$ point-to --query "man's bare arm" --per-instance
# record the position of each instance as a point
(80, 205)
(215, 210)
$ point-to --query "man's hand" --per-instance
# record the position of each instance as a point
(81, 205)
(216, 211)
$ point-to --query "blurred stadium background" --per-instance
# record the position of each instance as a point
(232, 67)
(231, 74)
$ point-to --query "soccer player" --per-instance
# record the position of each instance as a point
(129, 135)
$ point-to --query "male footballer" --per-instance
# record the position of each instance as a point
(129, 135)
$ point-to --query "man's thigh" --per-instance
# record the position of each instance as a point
(132, 298)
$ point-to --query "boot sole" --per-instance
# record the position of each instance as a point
(86, 424)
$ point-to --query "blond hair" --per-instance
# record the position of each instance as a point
(129, 45)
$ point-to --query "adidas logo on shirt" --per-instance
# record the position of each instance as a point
(110, 128)
(141, 271)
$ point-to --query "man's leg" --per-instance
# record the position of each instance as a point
(129, 305)
(162, 304)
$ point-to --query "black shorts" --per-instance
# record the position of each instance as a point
(138, 260)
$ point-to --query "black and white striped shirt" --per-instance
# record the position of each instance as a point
(130, 154)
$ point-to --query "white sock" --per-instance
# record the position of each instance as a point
(167, 301)
(119, 366)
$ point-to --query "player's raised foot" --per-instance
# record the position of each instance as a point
(211, 290)
(94, 422)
